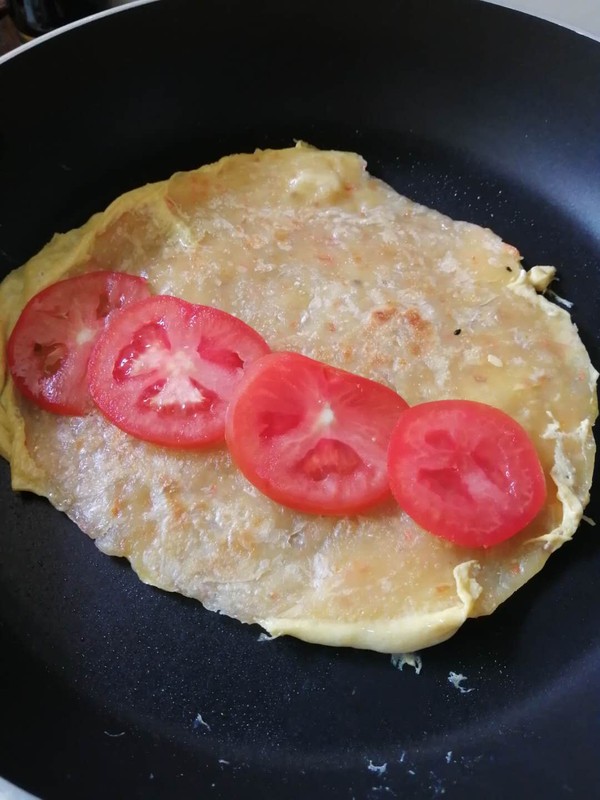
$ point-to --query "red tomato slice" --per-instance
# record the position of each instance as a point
(465, 471)
(49, 347)
(164, 370)
(312, 437)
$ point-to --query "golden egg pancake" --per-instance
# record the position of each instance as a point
(322, 259)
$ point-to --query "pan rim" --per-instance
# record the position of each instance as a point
(69, 27)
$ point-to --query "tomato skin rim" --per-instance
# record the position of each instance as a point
(526, 453)
(316, 509)
(23, 388)
(73, 408)
(100, 370)
(242, 456)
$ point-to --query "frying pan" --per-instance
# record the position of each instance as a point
(110, 688)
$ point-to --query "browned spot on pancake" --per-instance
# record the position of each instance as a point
(331, 326)
(121, 500)
(383, 314)
(415, 320)
(419, 331)
(325, 258)
(130, 498)
(172, 493)
(117, 506)
(242, 544)
(381, 361)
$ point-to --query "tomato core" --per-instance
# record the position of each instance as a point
(164, 371)
(312, 437)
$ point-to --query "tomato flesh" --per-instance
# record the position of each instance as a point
(165, 369)
(465, 471)
(312, 437)
(50, 345)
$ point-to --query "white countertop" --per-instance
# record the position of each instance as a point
(579, 15)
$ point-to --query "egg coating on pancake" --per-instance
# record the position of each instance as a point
(320, 258)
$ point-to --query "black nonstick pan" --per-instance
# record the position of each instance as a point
(110, 688)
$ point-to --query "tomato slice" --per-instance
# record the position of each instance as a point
(465, 471)
(312, 437)
(164, 370)
(49, 347)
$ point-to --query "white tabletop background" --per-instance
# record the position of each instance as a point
(580, 15)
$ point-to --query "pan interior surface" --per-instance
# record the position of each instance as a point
(113, 686)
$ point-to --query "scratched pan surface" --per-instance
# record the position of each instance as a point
(109, 688)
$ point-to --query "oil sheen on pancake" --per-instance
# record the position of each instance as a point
(320, 258)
